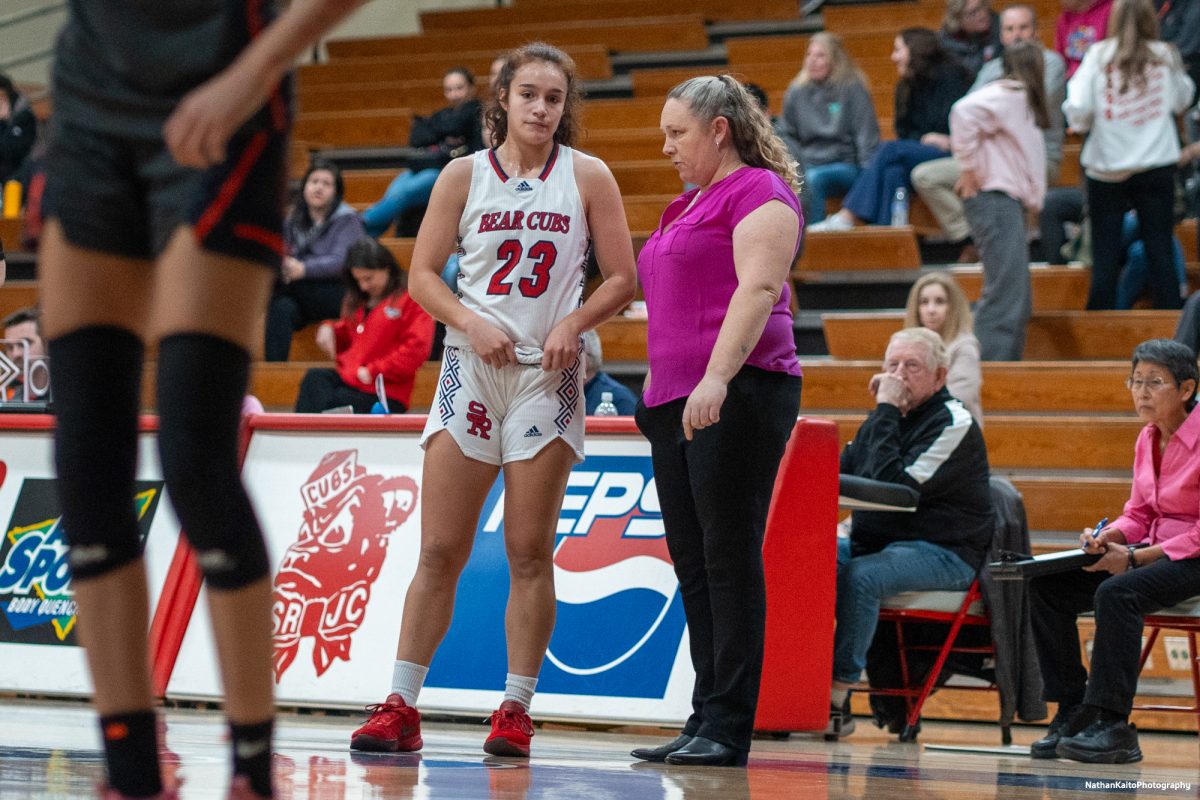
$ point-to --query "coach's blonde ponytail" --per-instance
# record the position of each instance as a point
(757, 144)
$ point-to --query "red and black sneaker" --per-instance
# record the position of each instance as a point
(511, 731)
(393, 726)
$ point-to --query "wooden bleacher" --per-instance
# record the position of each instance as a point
(683, 32)
(535, 13)
(1052, 335)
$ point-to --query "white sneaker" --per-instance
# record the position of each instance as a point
(833, 223)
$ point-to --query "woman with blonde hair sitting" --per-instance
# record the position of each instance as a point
(936, 302)
(828, 122)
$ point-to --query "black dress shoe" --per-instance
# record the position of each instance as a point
(701, 752)
(1105, 741)
(660, 753)
(1068, 720)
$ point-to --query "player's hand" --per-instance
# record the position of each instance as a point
(491, 344)
(364, 375)
(327, 340)
(703, 407)
(200, 128)
(561, 348)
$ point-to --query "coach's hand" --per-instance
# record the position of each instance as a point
(201, 126)
(561, 348)
(490, 343)
(703, 407)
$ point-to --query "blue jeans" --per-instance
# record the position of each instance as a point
(822, 180)
(870, 198)
(1136, 274)
(864, 581)
(408, 190)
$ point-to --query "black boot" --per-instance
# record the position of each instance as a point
(660, 753)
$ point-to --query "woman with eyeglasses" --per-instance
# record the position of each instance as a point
(1162, 518)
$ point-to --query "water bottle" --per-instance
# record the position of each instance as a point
(606, 407)
(900, 207)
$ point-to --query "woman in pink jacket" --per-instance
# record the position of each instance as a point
(996, 135)
(1163, 514)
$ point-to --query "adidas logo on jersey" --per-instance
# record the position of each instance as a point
(524, 186)
(532, 432)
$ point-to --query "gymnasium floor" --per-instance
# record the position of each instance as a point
(51, 750)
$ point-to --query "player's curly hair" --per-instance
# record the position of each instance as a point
(757, 144)
(495, 117)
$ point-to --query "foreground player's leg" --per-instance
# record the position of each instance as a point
(532, 501)
(453, 489)
(209, 310)
(93, 304)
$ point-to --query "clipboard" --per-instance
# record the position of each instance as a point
(1019, 566)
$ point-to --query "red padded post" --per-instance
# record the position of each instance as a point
(800, 558)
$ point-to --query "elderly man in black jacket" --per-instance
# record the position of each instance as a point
(920, 436)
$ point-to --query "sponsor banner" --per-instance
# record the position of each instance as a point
(343, 527)
(39, 647)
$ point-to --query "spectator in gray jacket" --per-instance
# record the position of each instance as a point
(828, 122)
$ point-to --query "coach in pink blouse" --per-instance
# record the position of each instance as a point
(722, 392)
(1163, 516)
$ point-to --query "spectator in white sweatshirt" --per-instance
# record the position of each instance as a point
(996, 136)
(1127, 92)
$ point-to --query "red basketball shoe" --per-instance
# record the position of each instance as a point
(511, 731)
(393, 726)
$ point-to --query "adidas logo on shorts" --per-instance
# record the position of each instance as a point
(532, 432)
(524, 186)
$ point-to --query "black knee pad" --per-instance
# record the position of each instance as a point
(96, 386)
(201, 382)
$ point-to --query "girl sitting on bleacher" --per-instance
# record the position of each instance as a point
(828, 122)
(930, 82)
(381, 332)
(937, 303)
(448, 133)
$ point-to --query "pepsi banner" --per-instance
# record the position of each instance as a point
(343, 527)
(39, 647)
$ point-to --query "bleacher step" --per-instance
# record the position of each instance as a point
(714, 55)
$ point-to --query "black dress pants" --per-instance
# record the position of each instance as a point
(715, 492)
(1121, 603)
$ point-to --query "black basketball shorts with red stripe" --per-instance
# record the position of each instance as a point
(127, 196)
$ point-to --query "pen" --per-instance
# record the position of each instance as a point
(1099, 527)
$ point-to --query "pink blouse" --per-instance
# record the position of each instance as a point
(1165, 508)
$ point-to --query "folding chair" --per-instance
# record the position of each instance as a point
(1183, 617)
(959, 609)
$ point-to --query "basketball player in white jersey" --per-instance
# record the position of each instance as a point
(510, 394)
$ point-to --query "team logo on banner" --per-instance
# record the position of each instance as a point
(324, 581)
(35, 580)
(619, 618)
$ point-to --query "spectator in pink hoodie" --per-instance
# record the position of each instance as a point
(996, 136)
(1081, 24)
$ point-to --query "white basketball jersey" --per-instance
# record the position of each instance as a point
(523, 245)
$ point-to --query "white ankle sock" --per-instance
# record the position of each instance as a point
(520, 688)
(407, 680)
